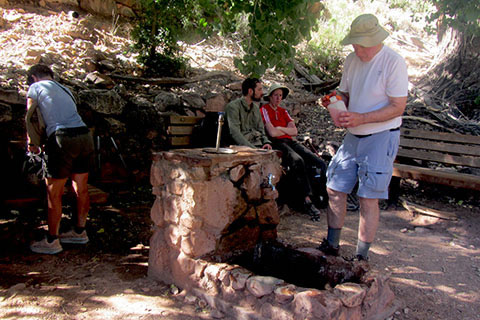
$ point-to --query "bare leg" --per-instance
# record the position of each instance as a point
(369, 219)
(337, 208)
(54, 197)
(80, 186)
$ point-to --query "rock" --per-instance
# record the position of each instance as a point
(167, 100)
(261, 286)
(421, 230)
(236, 173)
(106, 65)
(5, 113)
(215, 104)
(235, 86)
(238, 278)
(100, 80)
(190, 299)
(103, 101)
(193, 100)
(285, 294)
(351, 294)
(216, 314)
(102, 7)
(115, 126)
(11, 96)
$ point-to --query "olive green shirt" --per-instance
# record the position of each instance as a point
(245, 123)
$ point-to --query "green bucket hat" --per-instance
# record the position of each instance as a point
(365, 31)
(276, 86)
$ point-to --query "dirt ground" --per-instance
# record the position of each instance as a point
(434, 264)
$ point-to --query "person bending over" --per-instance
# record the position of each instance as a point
(69, 153)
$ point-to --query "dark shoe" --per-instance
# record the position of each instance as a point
(312, 211)
(358, 257)
(328, 249)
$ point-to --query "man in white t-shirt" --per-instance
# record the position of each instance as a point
(374, 87)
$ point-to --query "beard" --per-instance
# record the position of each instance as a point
(257, 99)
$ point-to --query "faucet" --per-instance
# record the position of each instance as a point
(270, 177)
(219, 130)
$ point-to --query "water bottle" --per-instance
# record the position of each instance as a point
(336, 107)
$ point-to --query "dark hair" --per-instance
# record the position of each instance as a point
(249, 83)
(39, 71)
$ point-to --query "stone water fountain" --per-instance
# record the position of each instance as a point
(215, 218)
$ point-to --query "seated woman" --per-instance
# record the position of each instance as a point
(281, 128)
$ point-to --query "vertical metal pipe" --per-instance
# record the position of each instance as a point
(219, 130)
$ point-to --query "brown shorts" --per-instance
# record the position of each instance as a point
(69, 151)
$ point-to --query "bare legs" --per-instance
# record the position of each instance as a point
(54, 198)
(80, 186)
(369, 219)
(369, 214)
(55, 189)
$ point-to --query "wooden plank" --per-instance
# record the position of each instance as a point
(441, 136)
(180, 130)
(453, 179)
(179, 140)
(439, 157)
(311, 78)
(439, 146)
(176, 119)
(413, 207)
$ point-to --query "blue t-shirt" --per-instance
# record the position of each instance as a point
(56, 105)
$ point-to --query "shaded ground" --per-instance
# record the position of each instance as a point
(434, 264)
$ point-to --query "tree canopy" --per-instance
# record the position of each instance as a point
(269, 30)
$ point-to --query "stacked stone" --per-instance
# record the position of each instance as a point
(209, 206)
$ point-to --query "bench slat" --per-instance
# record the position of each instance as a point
(454, 179)
(441, 136)
(439, 146)
(180, 130)
(178, 141)
(440, 157)
(175, 119)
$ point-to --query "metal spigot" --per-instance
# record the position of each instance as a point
(219, 130)
(217, 148)
(270, 178)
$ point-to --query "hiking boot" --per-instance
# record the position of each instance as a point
(73, 237)
(312, 211)
(45, 247)
(328, 249)
(359, 257)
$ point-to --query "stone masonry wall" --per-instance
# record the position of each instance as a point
(207, 207)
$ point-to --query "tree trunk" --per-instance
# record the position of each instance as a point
(455, 77)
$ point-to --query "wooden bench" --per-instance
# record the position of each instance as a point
(179, 130)
(440, 158)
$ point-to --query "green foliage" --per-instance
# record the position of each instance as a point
(161, 24)
(462, 15)
(323, 54)
(274, 29)
(402, 4)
